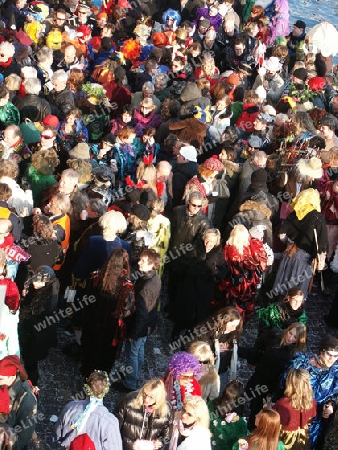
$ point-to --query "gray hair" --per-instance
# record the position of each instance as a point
(162, 78)
(112, 222)
(32, 86)
(60, 75)
(43, 54)
(29, 72)
(148, 85)
(196, 195)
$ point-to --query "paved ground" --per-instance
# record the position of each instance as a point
(61, 381)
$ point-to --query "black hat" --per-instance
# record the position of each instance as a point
(43, 274)
(300, 24)
(141, 211)
(109, 138)
(104, 174)
(329, 343)
(34, 9)
(300, 73)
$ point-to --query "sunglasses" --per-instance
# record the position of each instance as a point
(186, 377)
(195, 206)
(46, 136)
(205, 362)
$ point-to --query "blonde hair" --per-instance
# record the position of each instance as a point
(112, 222)
(147, 172)
(13, 82)
(202, 351)
(148, 102)
(2, 260)
(200, 407)
(239, 237)
(157, 206)
(62, 202)
(9, 168)
(298, 389)
(155, 387)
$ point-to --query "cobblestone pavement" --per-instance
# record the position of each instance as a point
(61, 381)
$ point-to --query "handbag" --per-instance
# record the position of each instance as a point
(30, 132)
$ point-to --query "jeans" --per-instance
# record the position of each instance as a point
(135, 358)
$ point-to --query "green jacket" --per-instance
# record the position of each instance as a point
(9, 115)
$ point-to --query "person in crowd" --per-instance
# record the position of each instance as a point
(144, 320)
(191, 429)
(104, 322)
(227, 423)
(277, 358)
(296, 409)
(181, 379)
(280, 315)
(61, 98)
(306, 228)
(22, 400)
(247, 260)
(322, 368)
(266, 433)
(32, 106)
(145, 417)
(208, 377)
(90, 417)
(39, 301)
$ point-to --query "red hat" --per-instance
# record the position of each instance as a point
(23, 38)
(4, 400)
(102, 15)
(84, 30)
(50, 121)
(82, 442)
(317, 84)
(10, 365)
(213, 163)
(232, 79)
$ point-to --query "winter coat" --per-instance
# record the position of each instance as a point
(147, 293)
(36, 334)
(9, 115)
(61, 102)
(191, 97)
(142, 123)
(23, 407)
(101, 426)
(187, 229)
(33, 107)
(181, 175)
(132, 420)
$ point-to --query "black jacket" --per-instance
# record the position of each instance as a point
(131, 420)
(61, 102)
(33, 107)
(147, 293)
(186, 229)
(181, 175)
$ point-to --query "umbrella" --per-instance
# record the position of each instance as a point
(324, 37)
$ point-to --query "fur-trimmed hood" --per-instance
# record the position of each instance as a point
(255, 207)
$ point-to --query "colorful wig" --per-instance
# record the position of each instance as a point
(183, 362)
(171, 14)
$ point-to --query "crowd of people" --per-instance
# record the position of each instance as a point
(177, 157)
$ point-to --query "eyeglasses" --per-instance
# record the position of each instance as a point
(195, 206)
(205, 362)
(145, 396)
(186, 377)
(330, 355)
(46, 136)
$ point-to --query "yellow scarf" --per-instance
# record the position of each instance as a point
(305, 202)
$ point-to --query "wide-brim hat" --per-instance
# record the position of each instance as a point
(272, 64)
(311, 167)
(80, 151)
